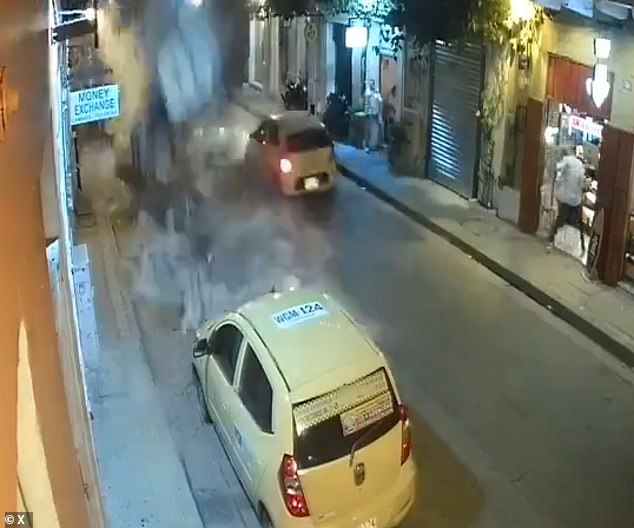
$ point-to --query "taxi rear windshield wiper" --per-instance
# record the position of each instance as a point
(359, 440)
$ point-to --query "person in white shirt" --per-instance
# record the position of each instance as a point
(569, 184)
(373, 102)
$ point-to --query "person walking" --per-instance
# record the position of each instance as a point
(569, 184)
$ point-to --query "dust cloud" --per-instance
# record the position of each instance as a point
(204, 239)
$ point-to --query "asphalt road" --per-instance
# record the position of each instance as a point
(519, 421)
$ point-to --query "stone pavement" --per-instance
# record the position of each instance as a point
(159, 464)
(552, 278)
(142, 479)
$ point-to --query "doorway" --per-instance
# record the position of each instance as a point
(343, 62)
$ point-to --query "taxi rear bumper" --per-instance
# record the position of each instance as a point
(295, 184)
(388, 510)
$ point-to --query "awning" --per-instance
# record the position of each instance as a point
(617, 9)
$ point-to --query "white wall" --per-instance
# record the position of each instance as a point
(32, 467)
(252, 45)
(273, 26)
(48, 191)
(330, 58)
(66, 313)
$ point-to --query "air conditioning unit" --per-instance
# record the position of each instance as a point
(9, 103)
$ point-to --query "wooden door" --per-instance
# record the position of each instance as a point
(530, 198)
(613, 196)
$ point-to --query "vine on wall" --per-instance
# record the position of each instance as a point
(509, 41)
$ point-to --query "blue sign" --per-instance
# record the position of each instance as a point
(94, 104)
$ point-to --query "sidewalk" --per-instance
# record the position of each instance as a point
(553, 279)
(143, 481)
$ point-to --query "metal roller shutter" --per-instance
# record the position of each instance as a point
(457, 85)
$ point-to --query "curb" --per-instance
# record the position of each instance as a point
(613, 346)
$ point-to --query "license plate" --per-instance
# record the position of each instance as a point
(310, 184)
(370, 523)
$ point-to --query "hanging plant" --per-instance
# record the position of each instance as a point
(508, 40)
(287, 9)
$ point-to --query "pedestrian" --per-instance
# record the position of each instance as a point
(569, 184)
(389, 114)
(373, 113)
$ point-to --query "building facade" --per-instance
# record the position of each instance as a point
(46, 454)
(441, 92)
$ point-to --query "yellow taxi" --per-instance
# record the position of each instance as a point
(307, 409)
(295, 150)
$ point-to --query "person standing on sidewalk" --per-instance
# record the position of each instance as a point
(373, 117)
(569, 184)
(389, 114)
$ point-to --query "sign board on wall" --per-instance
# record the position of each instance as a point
(587, 126)
(94, 104)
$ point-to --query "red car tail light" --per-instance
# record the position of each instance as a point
(406, 435)
(291, 488)
(286, 166)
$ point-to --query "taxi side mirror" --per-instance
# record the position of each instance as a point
(201, 348)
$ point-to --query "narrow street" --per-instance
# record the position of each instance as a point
(519, 421)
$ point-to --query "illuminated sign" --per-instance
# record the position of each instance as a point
(587, 126)
(94, 104)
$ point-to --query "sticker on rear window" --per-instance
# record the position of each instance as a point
(299, 314)
(366, 414)
(340, 400)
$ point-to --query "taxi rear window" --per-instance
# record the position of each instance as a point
(327, 427)
(309, 139)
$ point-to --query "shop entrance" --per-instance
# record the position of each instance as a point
(573, 127)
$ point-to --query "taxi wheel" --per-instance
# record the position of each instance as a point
(265, 520)
(206, 418)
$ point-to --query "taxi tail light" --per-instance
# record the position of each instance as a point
(406, 434)
(286, 166)
(292, 488)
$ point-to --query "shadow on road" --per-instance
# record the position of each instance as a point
(448, 495)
